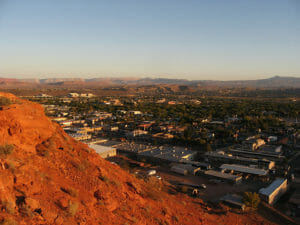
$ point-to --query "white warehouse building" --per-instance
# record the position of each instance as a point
(274, 191)
(103, 151)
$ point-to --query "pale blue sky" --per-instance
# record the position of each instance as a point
(193, 39)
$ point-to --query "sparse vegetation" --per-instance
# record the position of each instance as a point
(73, 207)
(9, 207)
(251, 199)
(6, 149)
(5, 101)
(10, 166)
(81, 166)
(153, 189)
(42, 152)
(25, 210)
(9, 221)
(71, 191)
(104, 178)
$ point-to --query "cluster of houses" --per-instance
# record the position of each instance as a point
(256, 158)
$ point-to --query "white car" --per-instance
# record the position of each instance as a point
(151, 172)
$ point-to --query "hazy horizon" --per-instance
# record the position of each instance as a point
(135, 77)
(195, 40)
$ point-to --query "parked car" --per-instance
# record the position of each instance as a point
(151, 172)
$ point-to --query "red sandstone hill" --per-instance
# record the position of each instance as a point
(46, 177)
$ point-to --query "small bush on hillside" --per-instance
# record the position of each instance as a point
(71, 191)
(42, 152)
(82, 165)
(153, 189)
(10, 166)
(25, 211)
(251, 199)
(9, 221)
(6, 149)
(9, 207)
(72, 209)
(104, 178)
(5, 101)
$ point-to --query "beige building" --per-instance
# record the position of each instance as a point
(274, 191)
(104, 151)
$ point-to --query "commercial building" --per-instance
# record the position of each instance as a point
(244, 169)
(224, 176)
(168, 154)
(273, 192)
(221, 157)
(233, 200)
(185, 168)
(104, 151)
(81, 137)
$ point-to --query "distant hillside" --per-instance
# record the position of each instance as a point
(274, 82)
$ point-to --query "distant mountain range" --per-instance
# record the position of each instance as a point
(274, 82)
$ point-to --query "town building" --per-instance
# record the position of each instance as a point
(244, 169)
(231, 178)
(104, 151)
(274, 191)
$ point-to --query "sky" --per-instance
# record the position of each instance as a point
(190, 39)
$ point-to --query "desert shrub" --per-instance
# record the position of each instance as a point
(42, 152)
(175, 218)
(153, 189)
(71, 191)
(6, 149)
(81, 166)
(104, 178)
(251, 199)
(5, 101)
(9, 207)
(116, 183)
(9, 221)
(25, 211)
(10, 166)
(72, 209)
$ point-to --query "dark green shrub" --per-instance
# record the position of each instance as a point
(251, 199)
(5, 101)
(6, 149)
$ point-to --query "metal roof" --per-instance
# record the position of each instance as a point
(272, 187)
(244, 169)
(100, 148)
(219, 174)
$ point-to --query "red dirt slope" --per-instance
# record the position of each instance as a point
(46, 177)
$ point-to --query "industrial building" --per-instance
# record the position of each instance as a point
(224, 176)
(266, 152)
(168, 154)
(221, 157)
(273, 192)
(233, 200)
(244, 169)
(104, 151)
(184, 169)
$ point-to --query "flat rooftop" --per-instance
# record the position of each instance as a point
(170, 153)
(219, 174)
(100, 148)
(272, 187)
(244, 169)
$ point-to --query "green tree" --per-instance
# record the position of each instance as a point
(251, 199)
